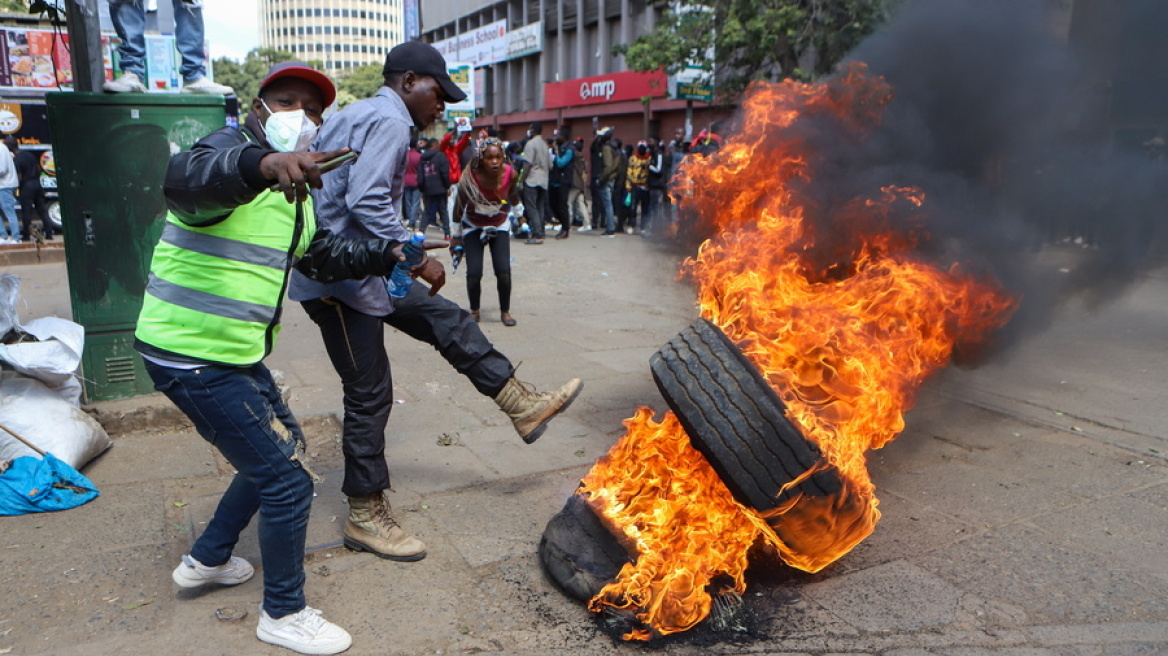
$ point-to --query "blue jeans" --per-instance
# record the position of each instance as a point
(412, 203)
(129, 19)
(606, 201)
(8, 204)
(240, 412)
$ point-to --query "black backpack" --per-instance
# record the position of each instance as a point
(429, 178)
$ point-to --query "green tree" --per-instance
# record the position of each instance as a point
(357, 83)
(737, 41)
(14, 6)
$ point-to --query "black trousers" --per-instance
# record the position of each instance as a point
(534, 205)
(435, 212)
(355, 343)
(34, 206)
(558, 195)
(474, 249)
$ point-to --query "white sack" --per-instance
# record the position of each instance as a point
(41, 416)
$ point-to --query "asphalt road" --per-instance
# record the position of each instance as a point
(1024, 506)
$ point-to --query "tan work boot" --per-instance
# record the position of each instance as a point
(530, 411)
(371, 528)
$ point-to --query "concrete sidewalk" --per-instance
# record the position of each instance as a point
(1023, 507)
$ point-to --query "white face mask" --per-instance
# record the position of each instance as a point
(289, 131)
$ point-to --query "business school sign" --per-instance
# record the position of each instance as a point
(628, 85)
(480, 46)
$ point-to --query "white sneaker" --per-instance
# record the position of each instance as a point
(585, 229)
(305, 632)
(190, 573)
(205, 86)
(126, 83)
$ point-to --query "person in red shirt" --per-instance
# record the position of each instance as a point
(486, 194)
(411, 195)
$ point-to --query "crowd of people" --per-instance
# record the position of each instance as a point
(607, 185)
(500, 191)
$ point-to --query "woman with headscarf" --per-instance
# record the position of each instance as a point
(488, 190)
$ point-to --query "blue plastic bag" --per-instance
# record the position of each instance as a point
(46, 484)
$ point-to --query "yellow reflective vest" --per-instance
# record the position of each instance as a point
(215, 293)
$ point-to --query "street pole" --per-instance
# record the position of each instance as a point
(688, 119)
(84, 28)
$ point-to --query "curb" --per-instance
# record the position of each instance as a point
(31, 253)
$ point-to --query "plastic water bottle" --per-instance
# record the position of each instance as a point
(400, 279)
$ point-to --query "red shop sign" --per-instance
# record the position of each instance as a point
(628, 85)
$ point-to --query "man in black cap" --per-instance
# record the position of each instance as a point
(364, 200)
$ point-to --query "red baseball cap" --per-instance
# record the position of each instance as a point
(302, 71)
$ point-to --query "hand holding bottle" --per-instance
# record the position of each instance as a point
(414, 263)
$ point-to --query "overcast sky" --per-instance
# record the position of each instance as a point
(233, 27)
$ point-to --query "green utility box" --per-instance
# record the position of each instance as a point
(111, 154)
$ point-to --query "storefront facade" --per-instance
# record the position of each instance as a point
(552, 62)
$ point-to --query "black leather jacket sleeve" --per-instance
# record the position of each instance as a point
(330, 258)
(218, 174)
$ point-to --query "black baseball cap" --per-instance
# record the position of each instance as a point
(304, 72)
(423, 59)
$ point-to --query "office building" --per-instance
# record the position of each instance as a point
(552, 61)
(340, 33)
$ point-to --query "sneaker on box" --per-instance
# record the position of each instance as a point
(204, 86)
(125, 83)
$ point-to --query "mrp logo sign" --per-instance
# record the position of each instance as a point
(614, 87)
(602, 90)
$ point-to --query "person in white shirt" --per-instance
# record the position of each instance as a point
(8, 185)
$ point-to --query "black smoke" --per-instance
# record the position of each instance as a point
(1037, 152)
(1025, 142)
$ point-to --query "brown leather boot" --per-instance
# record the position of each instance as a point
(530, 411)
(370, 527)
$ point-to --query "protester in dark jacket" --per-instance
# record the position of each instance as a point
(605, 169)
(579, 199)
(434, 182)
(560, 183)
(621, 195)
(240, 218)
(658, 181)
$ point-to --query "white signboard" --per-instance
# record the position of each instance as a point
(526, 40)
(480, 46)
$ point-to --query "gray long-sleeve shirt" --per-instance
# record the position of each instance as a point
(540, 160)
(363, 199)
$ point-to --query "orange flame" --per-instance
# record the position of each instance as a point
(841, 316)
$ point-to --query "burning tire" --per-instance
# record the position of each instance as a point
(735, 419)
(578, 553)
